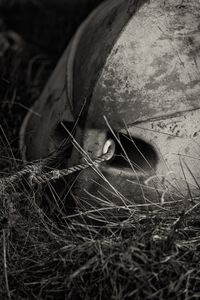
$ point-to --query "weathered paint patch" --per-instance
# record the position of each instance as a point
(153, 69)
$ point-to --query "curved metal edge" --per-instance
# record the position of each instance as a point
(105, 6)
(71, 53)
(94, 44)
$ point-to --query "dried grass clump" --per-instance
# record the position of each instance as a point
(144, 257)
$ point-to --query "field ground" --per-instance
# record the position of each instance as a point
(45, 255)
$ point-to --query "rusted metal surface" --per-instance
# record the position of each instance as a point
(133, 69)
(150, 83)
(94, 43)
(153, 68)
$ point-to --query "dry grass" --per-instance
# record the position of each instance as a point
(46, 254)
(153, 256)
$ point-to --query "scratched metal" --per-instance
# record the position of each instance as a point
(153, 69)
(137, 64)
(150, 84)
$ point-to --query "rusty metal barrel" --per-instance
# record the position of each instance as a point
(131, 76)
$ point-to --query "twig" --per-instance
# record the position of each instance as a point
(5, 265)
(179, 220)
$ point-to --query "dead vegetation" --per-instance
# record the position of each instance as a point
(46, 254)
(145, 256)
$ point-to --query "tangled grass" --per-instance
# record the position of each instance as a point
(47, 254)
(145, 256)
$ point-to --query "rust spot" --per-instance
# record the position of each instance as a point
(195, 134)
